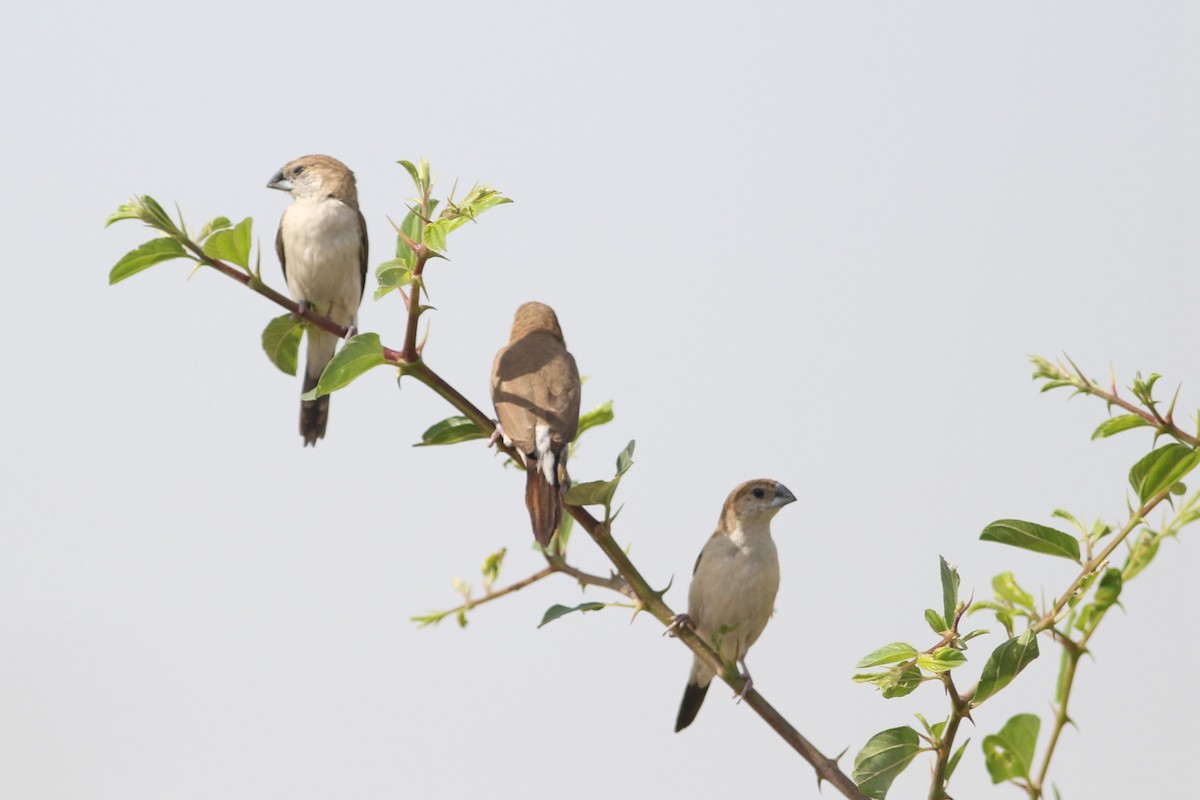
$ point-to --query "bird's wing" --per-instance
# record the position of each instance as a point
(279, 250)
(561, 401)
(362, 267)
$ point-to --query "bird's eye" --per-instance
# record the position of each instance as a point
(299, 170)
(758, 493)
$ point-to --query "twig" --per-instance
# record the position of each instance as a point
(635, 585)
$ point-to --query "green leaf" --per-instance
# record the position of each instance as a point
(888, 654)
(145, 256)
(412, 171)
(943, 659)
(1009, 753)
(954, 759)
(1115, 425)
(356, 357)
(1143, 552)
(949, 591)
(625, 459)
(146, 209)
(556, 611)
(1109, 588)
(392, 275)
(1031, 536)
(1161, 469)
(491, 567)
(215, 224)
(434, 235)
(883, 758)
(591, 493)
(899, 683)
(281, 341)
(600, 415)
(1006, 588)
(451, 430)
(1004, 664)
(936, 622)
(232, 244)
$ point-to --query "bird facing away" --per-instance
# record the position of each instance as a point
(535, 388)
(734, 584)
(322, 247)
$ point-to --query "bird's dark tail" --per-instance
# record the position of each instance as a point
(543, 499)
(314, 414)
(693, 697)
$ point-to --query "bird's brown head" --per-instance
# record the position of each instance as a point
(753, 503)
(316, 176)
(535, 317)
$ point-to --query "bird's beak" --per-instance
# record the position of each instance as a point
(783, 496)
(278, 182)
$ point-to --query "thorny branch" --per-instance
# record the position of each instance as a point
(410, 362)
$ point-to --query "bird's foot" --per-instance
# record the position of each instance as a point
(747, 685)
(747, 681)
(351, 331)
(677, 622)
(498, 435)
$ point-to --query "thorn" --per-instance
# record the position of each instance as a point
(425, 338)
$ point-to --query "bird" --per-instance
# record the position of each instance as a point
(734, 584)
(322, 248)
(535, 389)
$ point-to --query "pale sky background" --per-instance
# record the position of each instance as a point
(812, 242)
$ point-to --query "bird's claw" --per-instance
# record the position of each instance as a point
(677, 622)
(351, 331)
(747, 685)
(496, 436)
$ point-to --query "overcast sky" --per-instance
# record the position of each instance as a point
(811, 242)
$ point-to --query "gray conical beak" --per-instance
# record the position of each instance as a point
(277, 182)
(783, 496)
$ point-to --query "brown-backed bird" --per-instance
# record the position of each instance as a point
(734, 584)
(322, 247)
(535, 388)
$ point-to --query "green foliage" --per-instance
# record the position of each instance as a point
(943, 659)
(883, 758)
(145, 256)
(600, 493)
(1009, 752)
(1031, 536)
(397, 272)
(230, 244)
(1004, 664)
(356, 357)
(1006, 587)
(451, 430)
(281, 341)
(949, 592)
(896, 669)
(888, 654)
(1115, 425)
(1162, 469)
(600, 415)
(556, 611)
(455, 215)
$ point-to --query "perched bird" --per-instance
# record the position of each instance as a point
(535, 388)
(322, 247)
(734, 584)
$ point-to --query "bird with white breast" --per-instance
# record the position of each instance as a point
(734, 583)
(322, 247)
